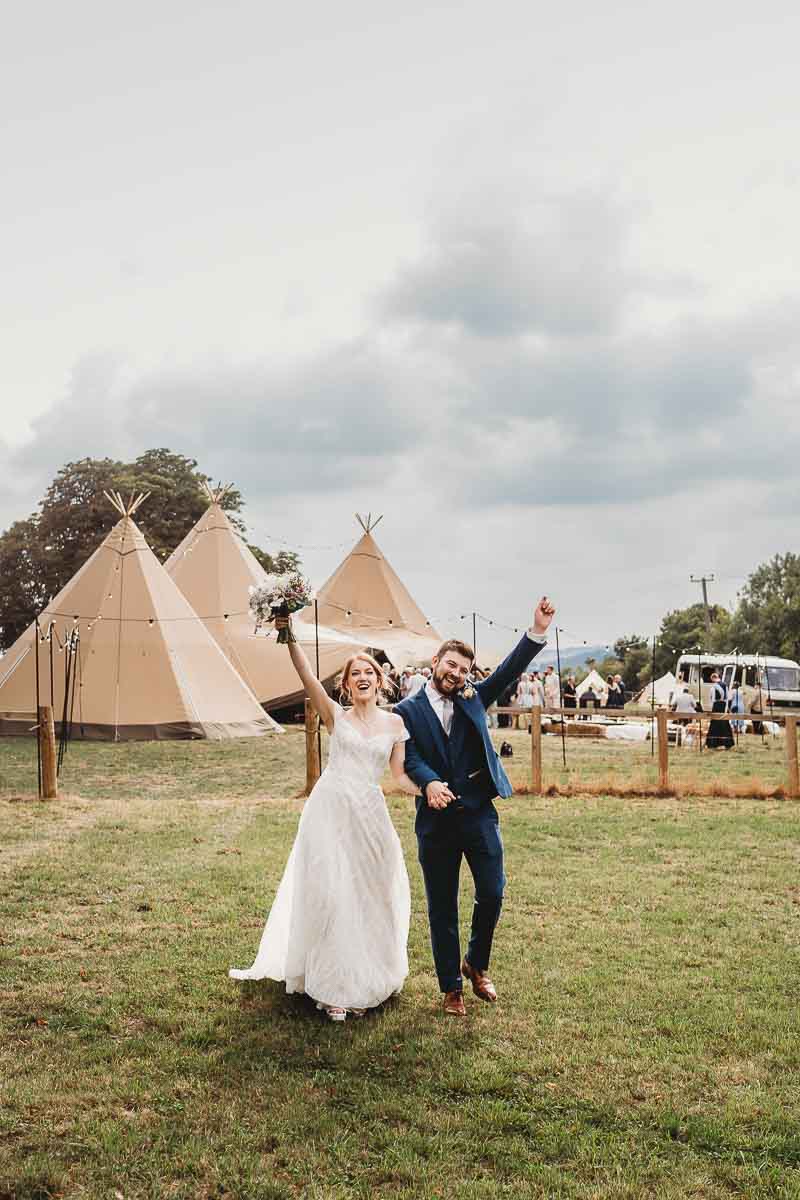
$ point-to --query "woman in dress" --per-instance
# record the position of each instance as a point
(720, 735)
(568, 691)
(338, 927)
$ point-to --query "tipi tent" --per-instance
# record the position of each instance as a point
(145, 666)
(214, 570)
(659, 693)
(594, 681)
(366, 599)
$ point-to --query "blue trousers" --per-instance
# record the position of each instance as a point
(474, 835)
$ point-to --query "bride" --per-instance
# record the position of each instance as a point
(338, 926)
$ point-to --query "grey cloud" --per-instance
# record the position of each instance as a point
(273, 429)
(553, 266)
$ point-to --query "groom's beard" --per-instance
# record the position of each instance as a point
(443, 685)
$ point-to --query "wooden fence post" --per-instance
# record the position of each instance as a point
(312, 748)
(536, 749)
(791, 758)
(663, 749)
(47, 743)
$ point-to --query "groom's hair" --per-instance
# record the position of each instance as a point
(457, 647)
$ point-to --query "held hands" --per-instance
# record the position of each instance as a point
(438, 794)
(545, 611)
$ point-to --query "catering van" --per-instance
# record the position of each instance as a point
(767, 683)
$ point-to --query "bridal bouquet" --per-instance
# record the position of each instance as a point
(280, 596)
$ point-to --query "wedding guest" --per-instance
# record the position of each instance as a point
(620, 684)
(736, 705)
(719, 736)
(568, 692)
(684, 702)
(552, 688)
(538, 690)
(611, 692)
(523, 697)
(415, 682)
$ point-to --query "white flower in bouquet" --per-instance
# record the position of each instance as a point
(280, 596)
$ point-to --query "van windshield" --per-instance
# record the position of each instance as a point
(783, 679)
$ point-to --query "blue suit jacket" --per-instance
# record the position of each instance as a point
(467, 759)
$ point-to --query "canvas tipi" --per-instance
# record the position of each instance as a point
(145, 666)
(214, 569)
(658, 693)
(366, 599)
(594, 681)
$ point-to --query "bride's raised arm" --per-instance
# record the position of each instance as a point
(323, 705)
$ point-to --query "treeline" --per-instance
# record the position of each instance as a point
(765, 620)
(39, 554)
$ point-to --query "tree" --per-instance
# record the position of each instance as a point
(767, 617)
(284, 562)
(685, 629)
(633, 651)
(22, 593)
(40, 555)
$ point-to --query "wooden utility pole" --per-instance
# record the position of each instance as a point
(536, 749)
(47, 745)
(312, 748)
(791, 758)
(663, 749)
(704, 581)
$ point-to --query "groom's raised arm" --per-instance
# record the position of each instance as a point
(515, 663)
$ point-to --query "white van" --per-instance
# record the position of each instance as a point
(765, 682)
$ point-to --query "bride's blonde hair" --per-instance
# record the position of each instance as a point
(384, 683)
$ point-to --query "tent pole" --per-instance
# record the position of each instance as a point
(316, 653)
(653, 703)
(37, 635)
(561, 706)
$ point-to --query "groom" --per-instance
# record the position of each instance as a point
(451, 759)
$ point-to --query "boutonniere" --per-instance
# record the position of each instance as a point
(467, 692)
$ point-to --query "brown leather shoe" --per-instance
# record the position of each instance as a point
(454, 1004)
(482, 985)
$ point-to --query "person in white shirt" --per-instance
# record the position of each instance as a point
(415, 682)
(552, 688)
(684, 702)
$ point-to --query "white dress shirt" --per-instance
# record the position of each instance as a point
(443, 705)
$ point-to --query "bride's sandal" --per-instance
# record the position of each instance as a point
(333, 1013)
(357, 1012)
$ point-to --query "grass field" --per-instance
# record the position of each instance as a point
(645, 1043)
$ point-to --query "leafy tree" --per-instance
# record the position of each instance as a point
(284, 562)
(767, 617)
(635, 654)
(39, 555)
(22, 593)
(685, 628)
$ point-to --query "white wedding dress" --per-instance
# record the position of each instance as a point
(338, 927)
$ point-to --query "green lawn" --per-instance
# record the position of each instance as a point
(645, 1043)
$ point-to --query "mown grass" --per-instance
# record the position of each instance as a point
(645, 1043)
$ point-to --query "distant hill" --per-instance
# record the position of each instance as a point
(572, 657)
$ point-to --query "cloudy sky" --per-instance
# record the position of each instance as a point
(521, 277)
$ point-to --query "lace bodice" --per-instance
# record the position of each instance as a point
(357, 756)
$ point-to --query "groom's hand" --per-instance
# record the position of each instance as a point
(545, 611)
(438, 794)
